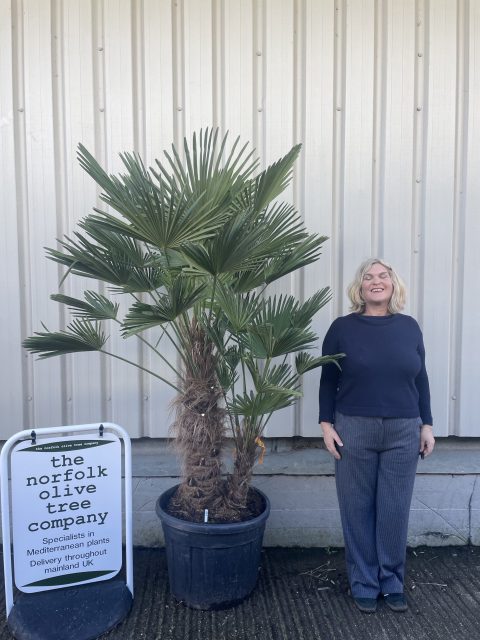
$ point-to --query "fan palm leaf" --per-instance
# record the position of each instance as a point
(238, 310)
(94, 307)
(233, 249)
(156, 212)
(269, 184)
(168, 307)
(304, 253)
(252, 404)
(80, 335)
(208, 172)
(306, 310)
(306, 362)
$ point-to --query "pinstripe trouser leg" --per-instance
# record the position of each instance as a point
(374, 482)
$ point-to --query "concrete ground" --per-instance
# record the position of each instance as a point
(302, 594)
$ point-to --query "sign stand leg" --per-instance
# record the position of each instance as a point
(77, 613)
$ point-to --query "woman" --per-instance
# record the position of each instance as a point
(375, 417)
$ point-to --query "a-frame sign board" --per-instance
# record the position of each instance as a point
(62, 522)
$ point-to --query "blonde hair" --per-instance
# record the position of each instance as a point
(354, 291)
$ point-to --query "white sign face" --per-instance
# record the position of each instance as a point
(66, 511)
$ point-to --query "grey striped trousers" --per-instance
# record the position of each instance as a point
(374, 480)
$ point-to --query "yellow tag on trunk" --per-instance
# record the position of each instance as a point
(259, 442)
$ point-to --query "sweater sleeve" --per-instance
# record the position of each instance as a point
(329, 377)
(423, 387)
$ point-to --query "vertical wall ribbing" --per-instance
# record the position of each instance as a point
(178, 59)
(299, 126)
(299, 99)
(419, 156)
(99, 78)
(138, 79)
(458, 253)
(99, 101)
(469, 315)
(178, 80)
(218, 60)
(338, 160)
(259, 64)
(379, 102)
(24, 267)
(61, 187)
(140, 144)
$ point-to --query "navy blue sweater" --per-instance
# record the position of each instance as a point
(383, 373)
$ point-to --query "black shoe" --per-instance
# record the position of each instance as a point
(366, 605)
(396, 601)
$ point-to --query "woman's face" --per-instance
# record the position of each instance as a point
(377, 286)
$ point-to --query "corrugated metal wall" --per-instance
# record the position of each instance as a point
(384, 95)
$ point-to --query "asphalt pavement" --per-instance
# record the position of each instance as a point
(302, 594)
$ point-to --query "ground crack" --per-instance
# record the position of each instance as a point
(470, 511)
(459, 535)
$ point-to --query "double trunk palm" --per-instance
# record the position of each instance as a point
(194, 243)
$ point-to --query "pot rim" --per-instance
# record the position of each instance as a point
(213, 528)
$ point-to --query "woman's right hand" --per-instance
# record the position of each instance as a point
(330, 437)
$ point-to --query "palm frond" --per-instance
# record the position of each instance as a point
(232, 249)
(176, 301)
(238, 309)
(207, 172)
(81, 335)
(301, 255)
(226, 374)
(156, 210)
(269, 184)
(246, 280)
(306, 362)
(277, 311)
(106, 255)
(94, 307)
(251, 404)
(279, 228)
(272, 332)
(305, 311)
(263, 342)
(275, 376)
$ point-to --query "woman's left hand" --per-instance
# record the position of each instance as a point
(427, 441)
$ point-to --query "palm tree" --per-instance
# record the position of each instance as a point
(194, 243)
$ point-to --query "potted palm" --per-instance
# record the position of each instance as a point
(195, 241)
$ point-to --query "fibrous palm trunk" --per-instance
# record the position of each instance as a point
(199, 429)
(240, 479)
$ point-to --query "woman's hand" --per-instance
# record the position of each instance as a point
(427, 441)
(330, 437)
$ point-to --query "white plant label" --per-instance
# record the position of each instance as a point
(66, 511)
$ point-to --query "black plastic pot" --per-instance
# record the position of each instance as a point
(212, 566)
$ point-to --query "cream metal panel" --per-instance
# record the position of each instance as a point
(126, 392)
(395, 137)
(83, 390)
(36, 132)
(384, 96)
(356, 220)
(278, 121)
(315, 174)
(153, 75)
(466, 344)
(439, 178)
(235, 71)
(13, 373)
